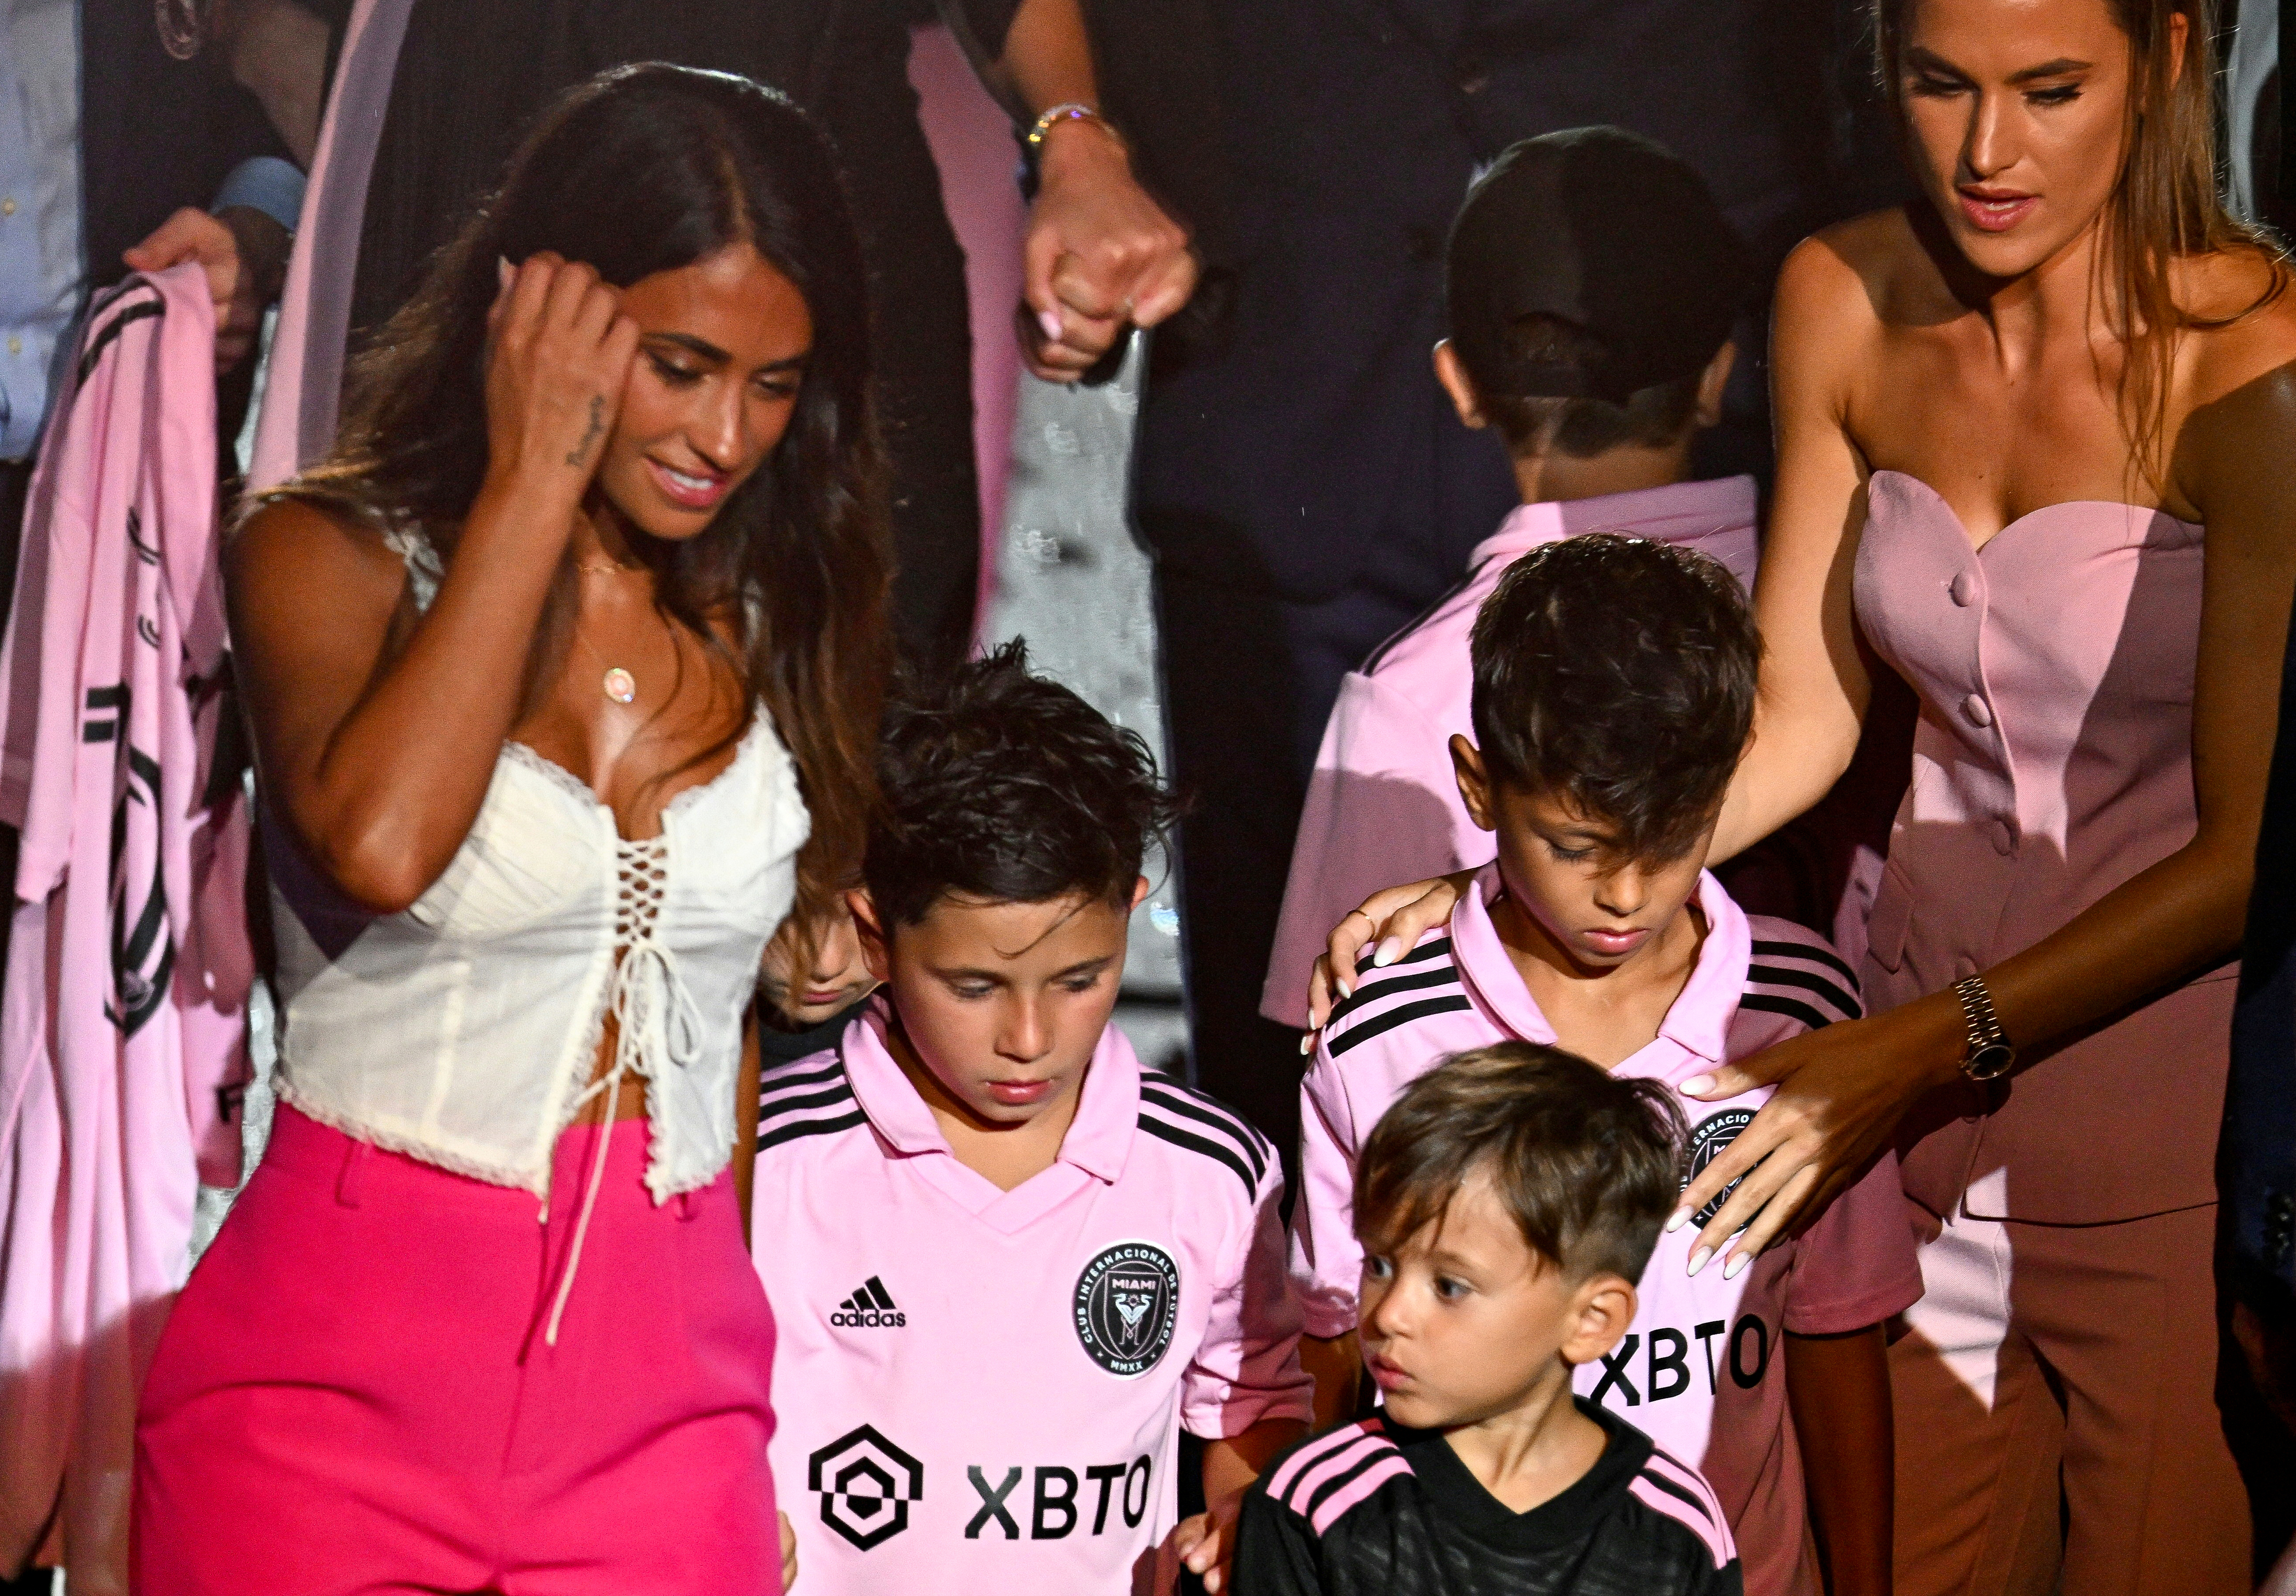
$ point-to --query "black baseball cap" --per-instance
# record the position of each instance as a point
(1610, 231)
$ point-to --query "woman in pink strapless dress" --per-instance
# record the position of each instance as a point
(2004, 417)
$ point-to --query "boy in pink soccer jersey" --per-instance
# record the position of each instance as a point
(1506, 1201)
(1590, 282)
(1007, 1266)
(1614, 691)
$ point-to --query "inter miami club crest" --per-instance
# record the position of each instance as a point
(1128, 1303)
(1715, 1133)
(866, 1483)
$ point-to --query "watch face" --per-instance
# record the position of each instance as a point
(1985, 1063)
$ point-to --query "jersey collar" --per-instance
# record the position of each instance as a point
(1681, 511)
(1698, 1022)
(1098, 1140)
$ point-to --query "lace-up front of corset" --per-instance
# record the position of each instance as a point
(656, 1024)
(465, 1031)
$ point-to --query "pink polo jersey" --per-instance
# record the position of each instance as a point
(1698, 1370)
(1384, 769)
(982, 1391)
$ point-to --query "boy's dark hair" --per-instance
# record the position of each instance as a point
(1002, 786)
(1652, 417)
(1589, 280)
(1618, 675)
(1589, 1163)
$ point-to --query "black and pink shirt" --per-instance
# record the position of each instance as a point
(1376, 1509)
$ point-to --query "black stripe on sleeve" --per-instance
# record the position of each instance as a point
(797, 1129)
(781, 1108)
(1218, 1152)
(1390, 987)
(1807, 950)
(1441, 949)
(1792, 1008)
(1680, 1493)
(783, 1080)
(1403, 1016)
(143, 310)
(1775, 976)
(1371, 1456)
(1248, 1141)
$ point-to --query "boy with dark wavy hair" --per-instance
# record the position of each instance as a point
(1614, 684)
(1007, 1266)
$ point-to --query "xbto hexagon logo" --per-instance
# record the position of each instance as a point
(866, 1484)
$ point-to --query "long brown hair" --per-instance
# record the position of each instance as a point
(644, 169)
(2166, 205)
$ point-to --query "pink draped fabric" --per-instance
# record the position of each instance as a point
(122, 1032)
(306, 377)
(971, 142)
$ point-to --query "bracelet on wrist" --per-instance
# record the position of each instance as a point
(1071, 110)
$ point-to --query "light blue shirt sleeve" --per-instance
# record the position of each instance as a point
(41, 269)
(266, 183)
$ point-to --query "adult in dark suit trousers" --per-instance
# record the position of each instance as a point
(2256, 1167)
(1303, 481)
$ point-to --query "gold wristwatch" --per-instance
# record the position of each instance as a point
(1990, 1055)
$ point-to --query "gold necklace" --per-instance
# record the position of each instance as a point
(618, 684)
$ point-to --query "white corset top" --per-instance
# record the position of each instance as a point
(464, 1031)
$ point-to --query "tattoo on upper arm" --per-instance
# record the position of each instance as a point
(589, 434)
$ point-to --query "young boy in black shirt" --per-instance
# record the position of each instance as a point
(1507, 1203)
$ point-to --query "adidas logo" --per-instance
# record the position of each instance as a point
(869, 1308)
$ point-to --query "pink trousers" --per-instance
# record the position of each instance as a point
(355, 1397)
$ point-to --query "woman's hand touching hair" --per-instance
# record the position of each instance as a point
(558, 353)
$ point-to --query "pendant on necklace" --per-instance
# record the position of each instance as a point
(619, 685)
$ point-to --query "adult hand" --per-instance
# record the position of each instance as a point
(788, 1551)
(1397, 918)
(243, 252)
(1206, 1545)
(559, 351)
(1100, 255)
(1841, 1092)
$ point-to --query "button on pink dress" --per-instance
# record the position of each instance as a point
(2053, 763)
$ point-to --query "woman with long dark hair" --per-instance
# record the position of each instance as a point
(563, 673)
(2034, 442)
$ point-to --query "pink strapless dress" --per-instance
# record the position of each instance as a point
(2053, 761)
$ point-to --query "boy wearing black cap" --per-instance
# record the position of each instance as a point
(1593, 281)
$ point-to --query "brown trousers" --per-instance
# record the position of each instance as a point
(2055, 1396)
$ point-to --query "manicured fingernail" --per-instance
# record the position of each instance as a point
(1698, 1085)
(1050, 321)
(1346, 987)
(1698, 1259)
(1307, 1045)
(1730, 1270)
(1390, 951)
(503, 271)
(1678, 1219)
